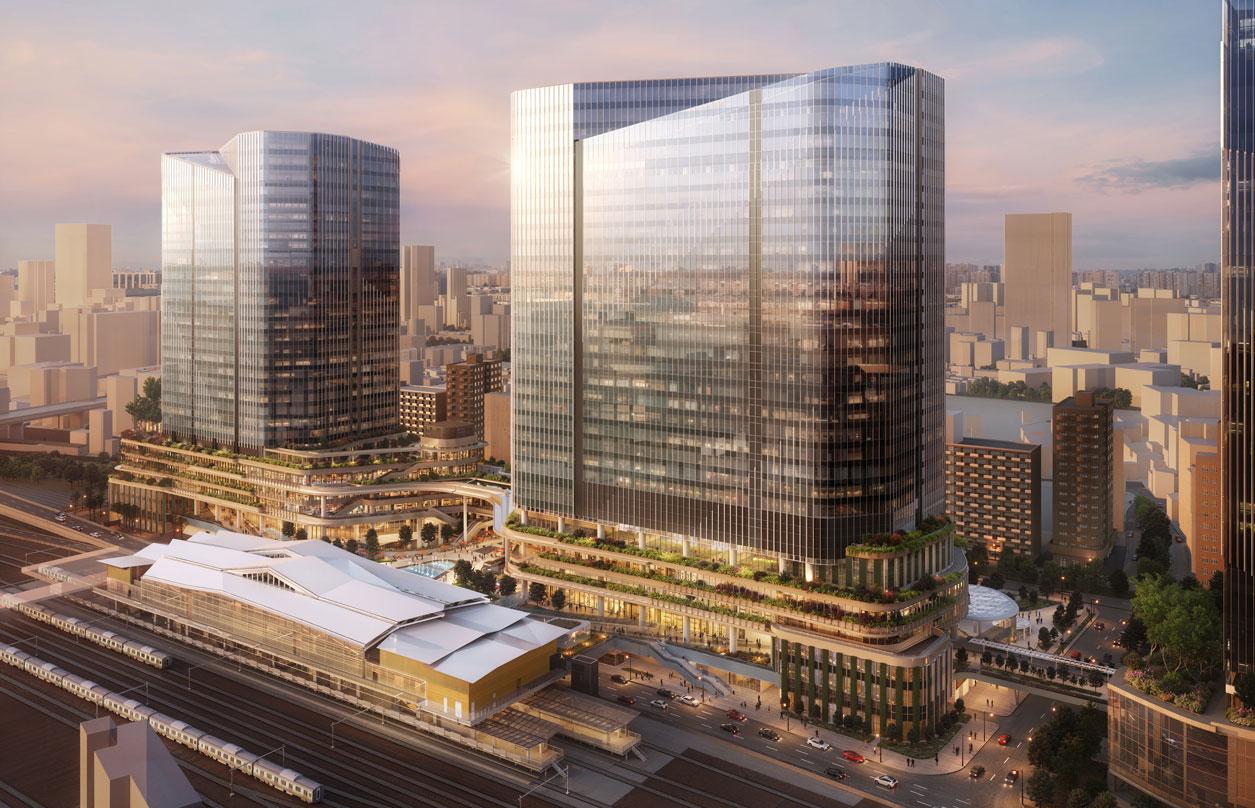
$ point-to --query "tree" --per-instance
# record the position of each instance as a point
(558, 600)
(1024, 665)
(960, 706)
(986, 657)
(428, 532)
(372, 543)
(486, 582)
(1096, 679)
(1060, 617)
(1216, 587)
(536, 592)
(351, 545)
(1103, 799)
(446, 532)
(338, 543)
(146, 406)
(995, 581)
(1244, 687)
(301, 534)
(960, 656)
(1134, 635)
(462, 570)
(1040, 787)
(406, 534)
(1023, 593)
(1077, 798)
(507, 586)
(288, 530)
(1119, 583)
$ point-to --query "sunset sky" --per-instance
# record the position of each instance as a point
(1107, 109)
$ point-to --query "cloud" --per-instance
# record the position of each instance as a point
(1135, 175)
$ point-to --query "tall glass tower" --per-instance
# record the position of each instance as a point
(1237, 259)
(279, 291)
(728, 306)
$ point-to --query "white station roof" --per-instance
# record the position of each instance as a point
(454, 630)
(987, 605)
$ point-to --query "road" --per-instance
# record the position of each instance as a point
(957, 790)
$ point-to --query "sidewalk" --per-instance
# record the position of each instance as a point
(745, 700)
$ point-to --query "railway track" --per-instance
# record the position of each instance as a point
(28, 692)
(351, 777)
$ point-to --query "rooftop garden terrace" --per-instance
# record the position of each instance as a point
(863, 594)
(899, 542)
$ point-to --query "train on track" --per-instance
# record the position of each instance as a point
(81, 628)
(286, 780)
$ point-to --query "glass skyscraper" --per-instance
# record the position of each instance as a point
(728, 306)
(279, 292)
(1237, 259)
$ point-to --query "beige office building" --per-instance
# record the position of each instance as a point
(1037, 272)
(457, 304)
(84, 261)
(497, 426)
(35, 283)
(418, 280)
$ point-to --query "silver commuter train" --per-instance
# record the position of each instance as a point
(103, 637)
(288, 781)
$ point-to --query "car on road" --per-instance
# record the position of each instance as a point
(60, 517)
(689, 700)
(835, 772)
(1004, 739)
(626, 700)
(95, 534)
(1075, 655)
(79, 528)
(1100, 626)
(661, 704)
(667, 694)
(768, 733)
(619, 679)
(852, 756)
(977, 772)
(737, 715)
(1011, 777)
(818, 743)
(885, 781)
(730, 728)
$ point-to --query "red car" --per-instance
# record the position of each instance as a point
(1076, 654)
(1003, 740)
(852, 756)
(626, 700)
(737, 715)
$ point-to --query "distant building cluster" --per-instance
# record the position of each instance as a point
(1145, 345)
(77, 341)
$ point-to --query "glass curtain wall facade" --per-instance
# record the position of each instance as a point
(280, 309)
(728, 305)
(1238, 295)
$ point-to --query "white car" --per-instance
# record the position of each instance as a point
(661, 704)
(689, 700)
(95, 534)
(60, 517)
(818, 743)
(885, 781)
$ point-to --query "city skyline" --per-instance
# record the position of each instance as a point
(1094, 125)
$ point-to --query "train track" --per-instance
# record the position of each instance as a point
(350, 776)
(20, 689)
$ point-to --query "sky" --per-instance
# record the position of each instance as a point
(1108, 109)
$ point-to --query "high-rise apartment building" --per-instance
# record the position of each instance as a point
(468, 382)
(1037, 272)
(993, 494)
(421, 406)
(36, 283)
(728, 346)
(279, 291)
(457, 306)
(1237, 261)
(84, 259)
(1083, 477)
(418, 280)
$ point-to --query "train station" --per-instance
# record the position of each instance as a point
(440, 657)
